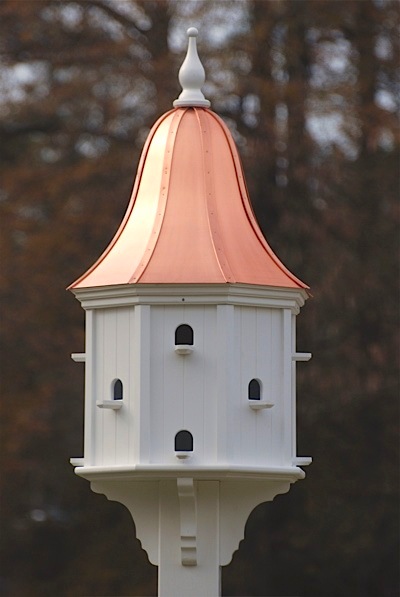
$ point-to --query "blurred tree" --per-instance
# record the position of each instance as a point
(309, 90)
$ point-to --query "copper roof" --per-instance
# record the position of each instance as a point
(189, 219)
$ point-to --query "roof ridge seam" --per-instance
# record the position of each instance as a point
(245, 198)
(163, 195)
(131, 204)
(210, 210)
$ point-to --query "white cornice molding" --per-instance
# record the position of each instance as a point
(194, 294)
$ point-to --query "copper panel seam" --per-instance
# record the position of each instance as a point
(136, 185)
(247, 204)
(163, 194)
(210, 199)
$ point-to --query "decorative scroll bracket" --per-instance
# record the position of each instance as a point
(188, 520)
(203, 519)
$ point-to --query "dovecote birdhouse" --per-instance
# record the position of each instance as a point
(190, 358)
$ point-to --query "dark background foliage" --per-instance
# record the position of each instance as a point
(310, 91)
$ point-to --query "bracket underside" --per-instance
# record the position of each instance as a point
(187, 519)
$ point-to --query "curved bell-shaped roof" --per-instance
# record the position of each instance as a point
(189, 219)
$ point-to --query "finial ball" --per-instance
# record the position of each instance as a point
(192, 32)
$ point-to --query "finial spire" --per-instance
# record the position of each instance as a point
(191, 76)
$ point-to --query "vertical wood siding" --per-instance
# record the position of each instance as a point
(205, 392)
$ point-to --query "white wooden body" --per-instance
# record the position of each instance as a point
(246, 334)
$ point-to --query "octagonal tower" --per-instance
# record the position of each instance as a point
(190, 415)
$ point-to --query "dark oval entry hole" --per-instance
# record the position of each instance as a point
(254, 390)
(118, 392)
(184, 334)
(183, 441)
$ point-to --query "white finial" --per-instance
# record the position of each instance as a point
(191, 76)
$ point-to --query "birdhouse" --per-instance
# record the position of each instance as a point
(190, 358)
